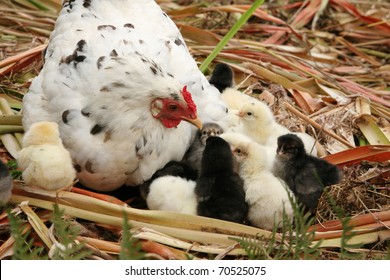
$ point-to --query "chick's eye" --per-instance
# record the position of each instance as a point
(238, 151)
(249, 113)
(172, 108)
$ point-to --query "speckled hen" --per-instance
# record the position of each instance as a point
(119, 81)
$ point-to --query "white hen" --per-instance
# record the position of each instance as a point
(118, 80)
(43, 160)
(265, 194)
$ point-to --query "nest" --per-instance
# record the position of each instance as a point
(365, 188)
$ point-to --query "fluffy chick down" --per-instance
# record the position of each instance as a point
(266, 195)
(306, 176)
(193, 156)
(171, 193)
(219, 189)
(44, 161)
(258, 122)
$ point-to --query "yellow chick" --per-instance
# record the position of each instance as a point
(44, 161)
(258, 122)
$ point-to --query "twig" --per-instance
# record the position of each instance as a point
(316, 125)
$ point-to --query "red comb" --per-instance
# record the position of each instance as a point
(188, 98)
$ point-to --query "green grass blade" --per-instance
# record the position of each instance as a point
(242, 20)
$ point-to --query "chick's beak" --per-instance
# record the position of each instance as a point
(195, 121)
(240, 114)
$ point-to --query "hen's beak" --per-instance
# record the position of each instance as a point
(196, 121)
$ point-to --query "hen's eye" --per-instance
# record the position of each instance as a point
(172, 108)
(238, 151)
(204, 132)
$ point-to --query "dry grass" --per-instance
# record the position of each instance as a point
(323, 69)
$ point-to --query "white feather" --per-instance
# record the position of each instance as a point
(170, 193)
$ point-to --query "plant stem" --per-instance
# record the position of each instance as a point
(242, 20)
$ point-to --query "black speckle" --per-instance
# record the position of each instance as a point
(80, 45)
(141, 41)
(113, 53)
(168, 45)
(179, 42)
(144, 60)
(96, 129)
(74, 57)
(154, 70)
(88, 167)
(118, 84)
(174, 96)
(165, 14)
(105, 89)
(106, 26)
(109, 87)
(65, 116)
(69, 4)
(128, 25)
(80, 58)
(170, 75)
(85, 113)
(87, 3)
(99, 62)
(77, 167)
(140, 144)
(88, 15)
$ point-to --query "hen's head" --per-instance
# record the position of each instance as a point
(174, 109)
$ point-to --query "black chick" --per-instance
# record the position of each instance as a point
(306, 176)
(222, 77)
(219, 189)
(193, 156)
(172, 168)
